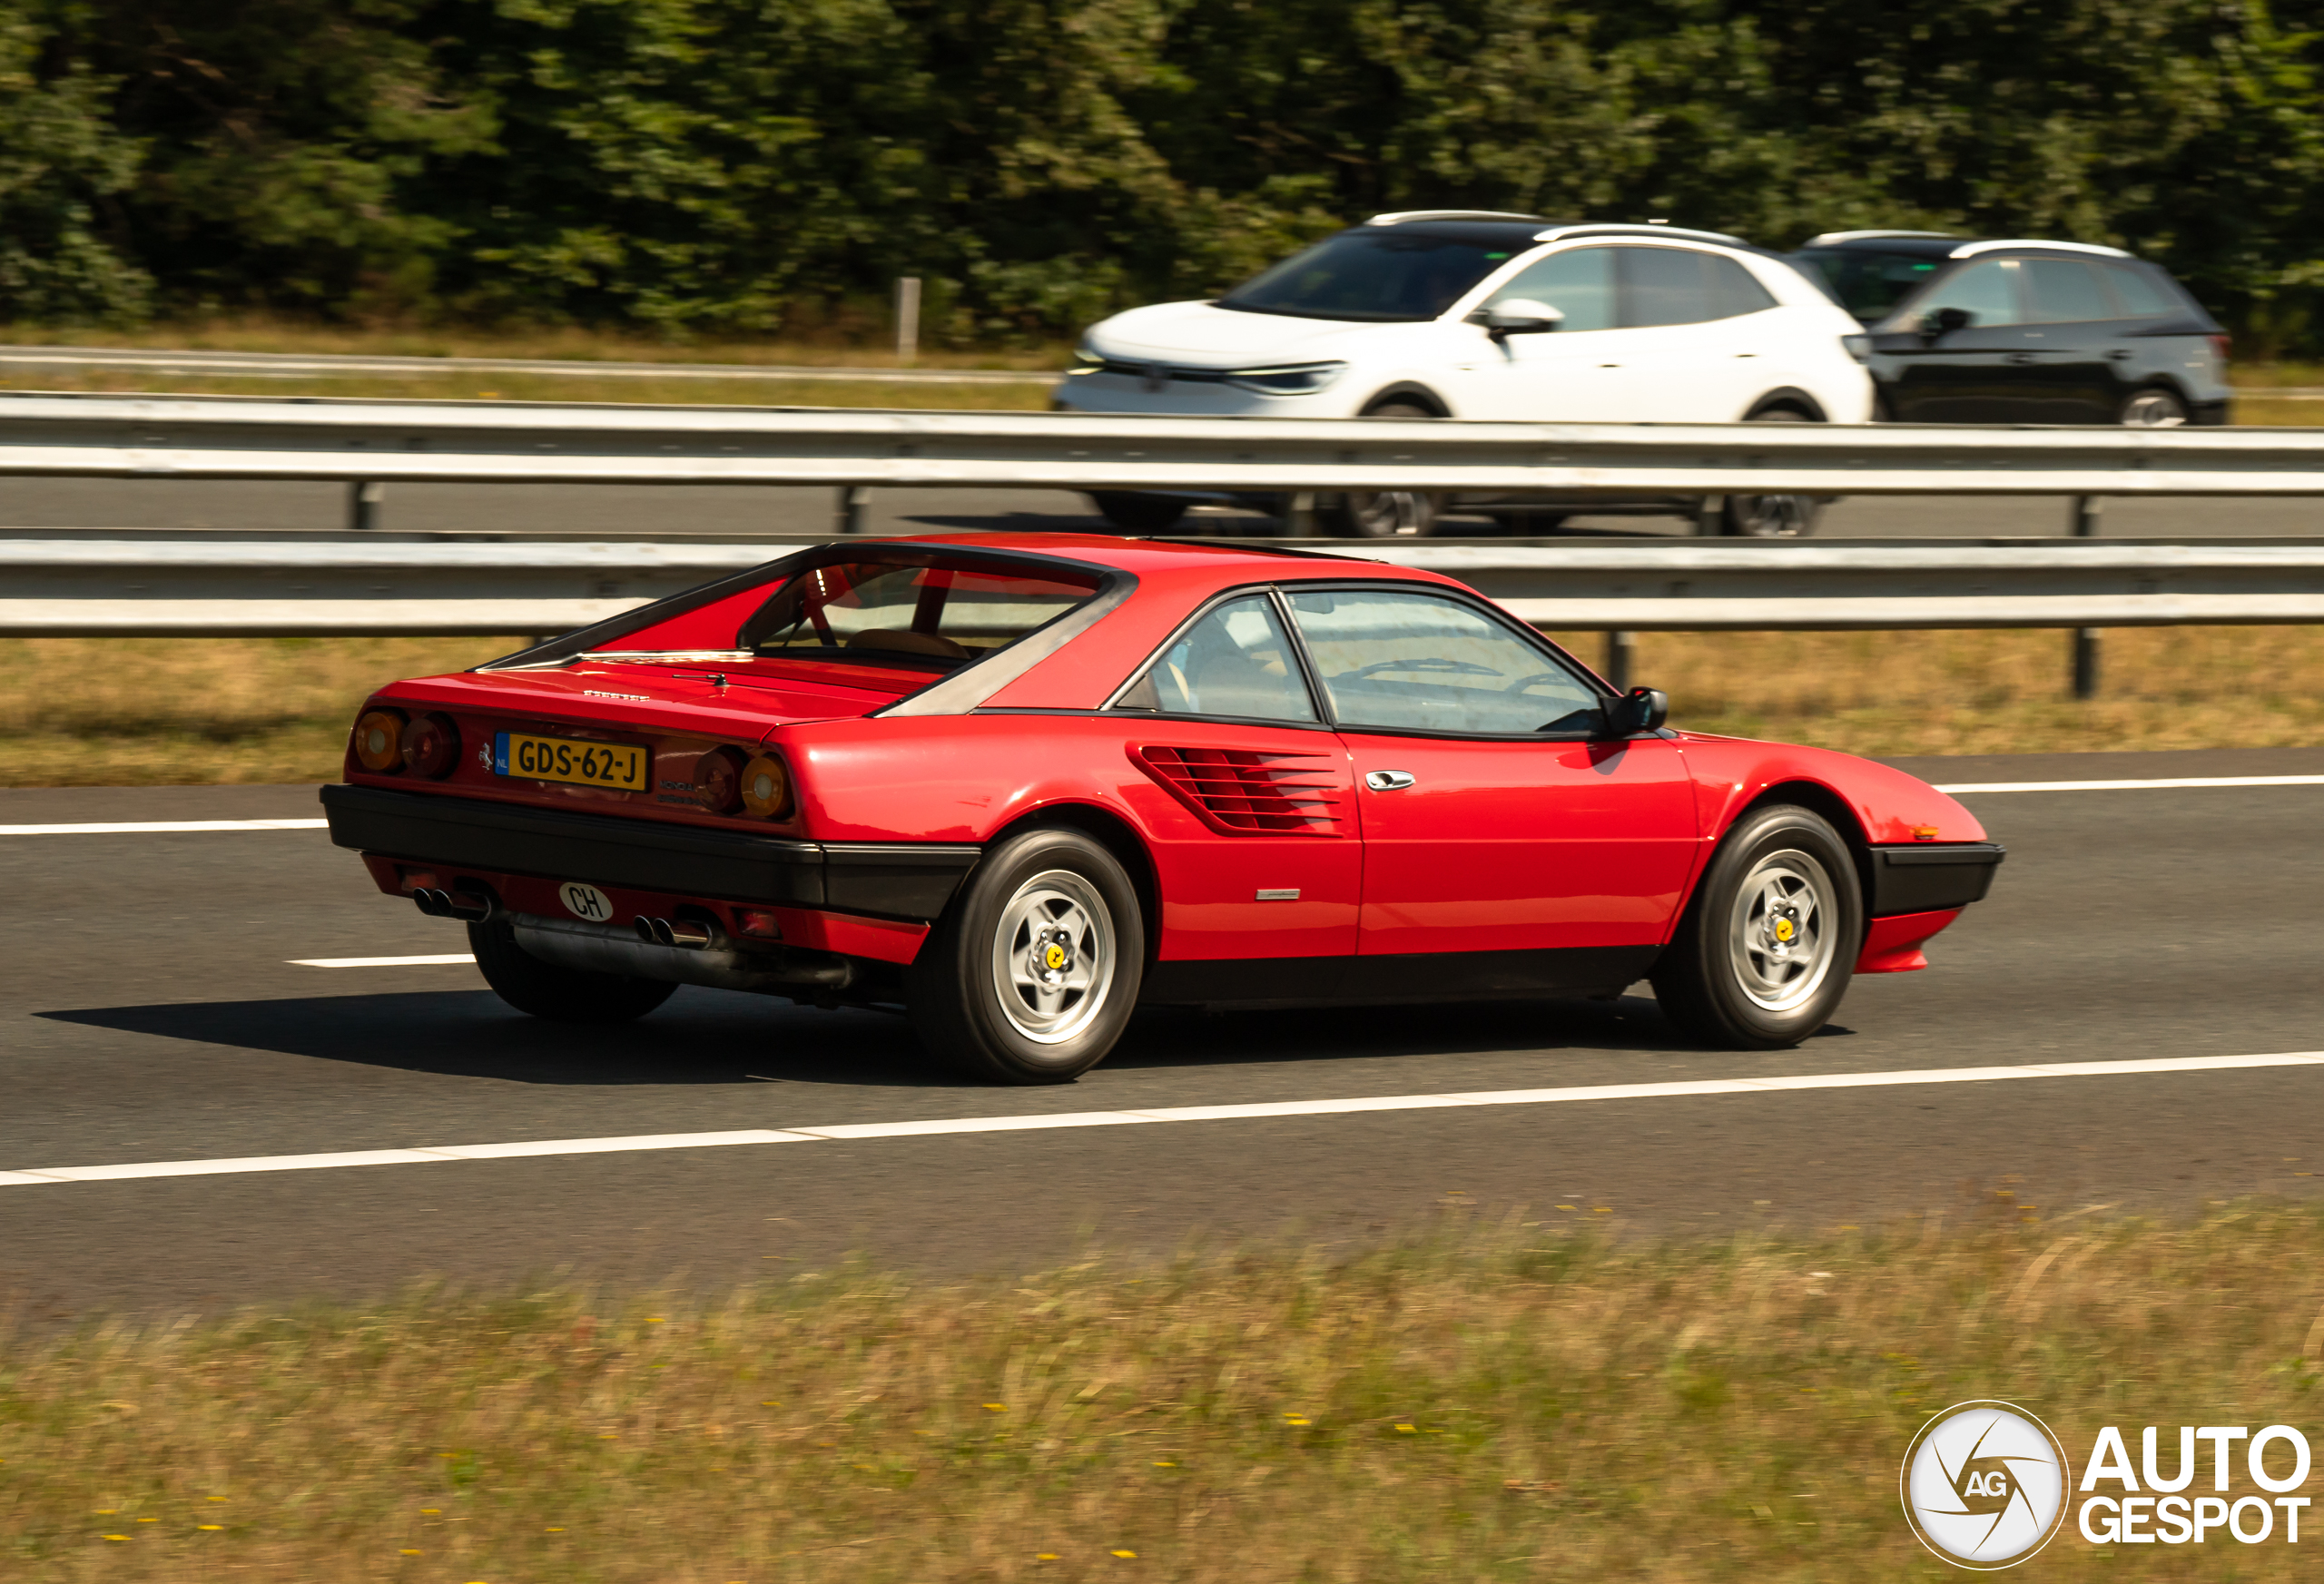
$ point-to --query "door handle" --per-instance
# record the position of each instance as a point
(1389, 780)
(2122, 355)
(2025, 357)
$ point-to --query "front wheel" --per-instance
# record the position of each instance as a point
(1032, 973)
(1765, 948)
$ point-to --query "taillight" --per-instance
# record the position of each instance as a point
(432, 745)
(379, 740)
(2219, 347)
(717, 781)
(766, 786)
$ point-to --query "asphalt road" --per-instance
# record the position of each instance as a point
(612, 510)
(151, 1010)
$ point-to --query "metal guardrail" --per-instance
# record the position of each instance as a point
(104, 587)
(342, 365)
(485, 442)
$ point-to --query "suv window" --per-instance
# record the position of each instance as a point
(1235, 661)
(2141, 298)
(1419, 662)
(2064, 291)
(1985, 291)
(1678, 286)
(1870, 284)
(1578, 283)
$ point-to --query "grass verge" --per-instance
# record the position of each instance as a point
(88, 712)
(1515, 1402)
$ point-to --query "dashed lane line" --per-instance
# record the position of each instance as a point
(431, 960)
(162, 827)
(2172, 785)
(1041, 1122)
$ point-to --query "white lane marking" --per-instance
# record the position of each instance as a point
(431, 960)
(150, 827)
(968, 1124)
(2191, 781)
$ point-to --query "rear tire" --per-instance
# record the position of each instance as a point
(560, 995)
(1032, 973)
(1771, 516)
(1764, 953)
(2152, 408)
(1138, 514)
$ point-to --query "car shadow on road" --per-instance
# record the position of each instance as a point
(695, 1038)
(1176, 1037)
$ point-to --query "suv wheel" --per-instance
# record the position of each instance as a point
(1138, 514)
(1388, 514)
(2153, 409)
(1771, 516)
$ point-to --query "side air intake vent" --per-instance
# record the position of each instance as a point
(1247, 793)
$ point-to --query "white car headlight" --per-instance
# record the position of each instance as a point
(1287, 378)
(1085, 360)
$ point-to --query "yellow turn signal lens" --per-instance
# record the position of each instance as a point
(766, 787)
(379, 741)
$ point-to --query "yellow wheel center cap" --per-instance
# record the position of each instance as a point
(1053, 956)
(1783, 930)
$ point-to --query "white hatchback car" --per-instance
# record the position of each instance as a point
(1470, 315)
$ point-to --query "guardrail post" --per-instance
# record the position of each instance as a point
(2085, 515)
(1299, 515)
(363, 503)
(849, 518)
(906, 318)
(1710, 514)
(2085, 663)
(1621, 649)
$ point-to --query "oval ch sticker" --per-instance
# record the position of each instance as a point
(585, 901)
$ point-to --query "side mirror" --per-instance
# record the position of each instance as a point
(1944, 322)
(1642, 709)
(1519, 316)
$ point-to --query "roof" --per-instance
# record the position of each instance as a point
(1932, 244)
(1194, 558)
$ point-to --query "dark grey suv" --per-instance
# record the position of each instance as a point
(2022, 332)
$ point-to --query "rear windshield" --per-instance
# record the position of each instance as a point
(920, 617)
(1869, 284)
(1383, 273)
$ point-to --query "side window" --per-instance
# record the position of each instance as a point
(1235, 661)
(2140, 296)
(1418, 661)
(2064, 291)
(1578, 283)
(1734, 290)
(1665, 286)
(1985, 291)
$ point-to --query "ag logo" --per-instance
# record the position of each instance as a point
(1985, 1485)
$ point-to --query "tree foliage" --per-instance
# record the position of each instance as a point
(764, 164)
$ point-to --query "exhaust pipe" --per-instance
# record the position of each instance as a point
(468, 907)
(685, 934)
(609, 949)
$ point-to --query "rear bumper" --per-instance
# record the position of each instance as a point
(906, 881)
(1931, 876)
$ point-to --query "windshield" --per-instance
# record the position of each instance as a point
(923, 617)
(1383, 273)
(1870, 284)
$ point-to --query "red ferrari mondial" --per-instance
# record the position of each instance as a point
(1025, 784)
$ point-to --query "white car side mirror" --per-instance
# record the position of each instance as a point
(1521, 316)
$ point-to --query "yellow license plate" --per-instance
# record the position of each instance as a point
(575, 762)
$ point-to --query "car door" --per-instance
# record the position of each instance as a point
(1249, 808)
(1973, 375)
(1568, 375)
(1697, 345)
(2071, 325)
(1491, 821)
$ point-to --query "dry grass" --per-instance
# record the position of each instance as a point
(86, 712)
(1501, 1404)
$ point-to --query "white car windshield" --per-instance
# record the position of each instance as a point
(1385, 274)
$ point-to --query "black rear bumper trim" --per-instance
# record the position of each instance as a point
(907, 881)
